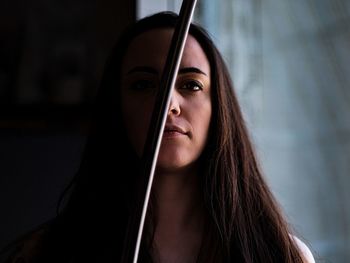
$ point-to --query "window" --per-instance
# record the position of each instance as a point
(290, 64)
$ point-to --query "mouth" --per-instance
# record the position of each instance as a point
(173, 130)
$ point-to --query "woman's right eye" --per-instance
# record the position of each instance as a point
(143, 84)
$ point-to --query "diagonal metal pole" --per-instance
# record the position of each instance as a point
(159, 115)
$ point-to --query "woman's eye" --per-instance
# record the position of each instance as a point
(143, 84)
(192, 86)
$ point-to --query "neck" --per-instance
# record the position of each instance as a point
(179, 213)
(178, 199)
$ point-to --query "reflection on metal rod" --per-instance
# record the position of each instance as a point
(155, 133)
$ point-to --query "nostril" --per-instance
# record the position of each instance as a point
(175, 110)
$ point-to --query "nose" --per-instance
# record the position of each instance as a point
(174, 107)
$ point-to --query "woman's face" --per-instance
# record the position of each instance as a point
(189, 114)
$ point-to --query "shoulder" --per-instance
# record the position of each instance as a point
(25, 248)
(304, 249)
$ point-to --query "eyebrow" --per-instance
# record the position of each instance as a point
(191, 70)
(142, 69)
(151, 70)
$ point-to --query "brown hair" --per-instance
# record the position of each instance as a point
(245, 222)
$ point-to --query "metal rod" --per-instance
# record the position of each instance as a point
(159, 115)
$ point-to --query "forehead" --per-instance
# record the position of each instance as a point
(151, 48)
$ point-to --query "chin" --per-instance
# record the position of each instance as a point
(173, 165)
(170, 162)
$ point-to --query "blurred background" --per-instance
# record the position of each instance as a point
(290, 63)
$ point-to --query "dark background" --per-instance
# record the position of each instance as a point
(52, 53)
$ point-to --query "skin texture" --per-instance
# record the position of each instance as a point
(179, 229)
(190, 106)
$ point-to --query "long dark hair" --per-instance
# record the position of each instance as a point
(245, 222)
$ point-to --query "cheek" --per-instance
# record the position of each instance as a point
(137, 115)
(201, 116)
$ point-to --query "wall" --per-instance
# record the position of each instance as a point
(52, 54)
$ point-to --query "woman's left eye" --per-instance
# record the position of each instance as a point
(192, 86)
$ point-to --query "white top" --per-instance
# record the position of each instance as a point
(305, 251)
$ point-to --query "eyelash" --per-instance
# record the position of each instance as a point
(194, 85)
(142, 84)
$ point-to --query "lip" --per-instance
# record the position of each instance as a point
(173, 130)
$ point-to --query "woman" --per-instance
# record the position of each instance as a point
(209, 200)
